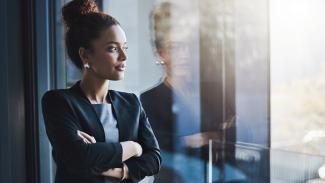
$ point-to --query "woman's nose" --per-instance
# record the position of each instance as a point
(122, 55)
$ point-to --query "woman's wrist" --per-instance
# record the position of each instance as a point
(114, 172)
(123, 172)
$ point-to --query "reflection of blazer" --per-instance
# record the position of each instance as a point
(169, 116)
(157, 102)
(68, 110)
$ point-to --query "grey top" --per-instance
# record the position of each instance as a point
(105, 114)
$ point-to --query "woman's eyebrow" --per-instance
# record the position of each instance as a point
(114, 42)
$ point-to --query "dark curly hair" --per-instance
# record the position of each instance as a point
(84, 23)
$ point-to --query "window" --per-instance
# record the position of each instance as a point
(246, 74)
(297, 79)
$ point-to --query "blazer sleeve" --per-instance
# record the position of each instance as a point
(70, 151)
(149, 162)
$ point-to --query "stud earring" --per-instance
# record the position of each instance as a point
(87, 66)
(160, 62)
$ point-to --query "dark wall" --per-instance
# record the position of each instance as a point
(12, 103)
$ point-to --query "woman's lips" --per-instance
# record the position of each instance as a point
(121, 67)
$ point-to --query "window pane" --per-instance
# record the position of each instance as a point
(251, 47)
(183, 61)
(297, 89)
(200, 69)
(297, 75)
(203, 70)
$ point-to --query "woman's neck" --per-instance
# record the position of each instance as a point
(95, 89)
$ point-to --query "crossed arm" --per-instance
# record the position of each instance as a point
(129, 149)
(100, 158)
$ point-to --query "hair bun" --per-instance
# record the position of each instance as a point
(73, 11)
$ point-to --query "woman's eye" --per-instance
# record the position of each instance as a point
(125, 48)
(112, 49)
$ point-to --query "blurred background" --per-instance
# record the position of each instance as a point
(233, 88)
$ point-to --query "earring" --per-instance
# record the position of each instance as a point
(87, 66)
(160, 62)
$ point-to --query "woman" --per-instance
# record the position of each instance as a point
(173, 28)
(174, 105)
(98, 135)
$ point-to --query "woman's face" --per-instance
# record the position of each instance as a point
(107, 59)
(176, 51)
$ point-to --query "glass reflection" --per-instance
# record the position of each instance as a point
(172, 106)
(215, 59)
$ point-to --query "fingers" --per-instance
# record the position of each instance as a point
(138, 149)
(86, 138)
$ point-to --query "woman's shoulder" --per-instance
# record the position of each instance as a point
(122, 96)
(56, 95)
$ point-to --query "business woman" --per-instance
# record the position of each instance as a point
(98, 135)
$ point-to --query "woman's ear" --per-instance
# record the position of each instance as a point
(84, 55)
(163, 54)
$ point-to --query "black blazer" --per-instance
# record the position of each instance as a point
(158, 102)
(67, 110)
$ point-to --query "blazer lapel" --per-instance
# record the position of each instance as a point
(121, 115)
(89, 113)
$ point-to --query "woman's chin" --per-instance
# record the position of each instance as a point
(116, 78)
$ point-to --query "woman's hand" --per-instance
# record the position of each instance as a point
(138, 149)
(114, 172)
(120, 173)
(86, 138)
(130, 149)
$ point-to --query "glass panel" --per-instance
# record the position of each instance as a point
(200, 69)
(297, 75)
(251, 71)
(183, 61)
(251, 164)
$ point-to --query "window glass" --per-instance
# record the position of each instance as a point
(297, 75)
(195, 65)
(232, 71)
(297, 89)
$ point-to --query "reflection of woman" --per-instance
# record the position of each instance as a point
(173, 105)
(173, 39)
(97, 134)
